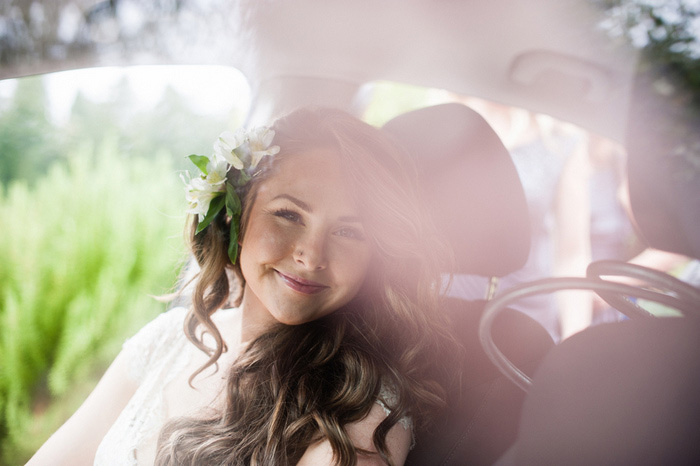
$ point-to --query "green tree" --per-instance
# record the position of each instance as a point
(170, 126)
(80, 253)
(97, 121)
(173, 126)
(663, 140)
(29, 143)
(666, 32)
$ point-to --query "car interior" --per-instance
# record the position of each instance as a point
(470, 162)
(593, 399)
(618, 393)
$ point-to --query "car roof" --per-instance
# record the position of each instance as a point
(549, 56)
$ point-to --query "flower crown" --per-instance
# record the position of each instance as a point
(215, 188)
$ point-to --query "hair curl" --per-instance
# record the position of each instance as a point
(295, 385)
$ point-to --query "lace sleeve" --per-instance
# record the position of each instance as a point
(145, 346)
(387, 398)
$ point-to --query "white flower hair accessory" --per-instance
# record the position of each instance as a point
(214, 188)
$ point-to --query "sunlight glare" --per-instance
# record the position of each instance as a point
(208, 89)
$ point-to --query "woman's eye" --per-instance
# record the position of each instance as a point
(288, 215)
(353, 233)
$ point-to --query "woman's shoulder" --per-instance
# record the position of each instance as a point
(165, 324)
(387, 399)
(161, 335)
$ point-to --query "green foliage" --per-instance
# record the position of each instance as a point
(80, 252)
(391, 99)
(171, 125)
(92, 214)
(28, 141)
(666, 94)
(666, 32)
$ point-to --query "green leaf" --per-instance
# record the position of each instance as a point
(233, 209)
(200, 161)
(233, 202)
(214, 208)
(233, 241)
(243, 178)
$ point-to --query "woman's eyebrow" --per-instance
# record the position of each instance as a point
(307, 208)
(298, 202)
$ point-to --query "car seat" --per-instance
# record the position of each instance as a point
(624, 392)
(618, 393)
(476, 199)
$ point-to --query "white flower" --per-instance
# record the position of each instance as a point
(216, 172)
(199, 193)
(244, 149)
(259, 140)
(241, 150)
(227, 143)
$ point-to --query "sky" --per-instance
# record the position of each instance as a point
(209, 89)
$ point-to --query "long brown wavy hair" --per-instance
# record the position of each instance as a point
(295, 385)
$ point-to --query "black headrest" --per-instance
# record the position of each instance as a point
(473, 190)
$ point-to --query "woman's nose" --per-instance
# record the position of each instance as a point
(310, 251)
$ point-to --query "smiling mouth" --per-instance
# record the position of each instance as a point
(301, 285)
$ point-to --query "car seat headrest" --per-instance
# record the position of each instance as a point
(663, 167)
(473, 190)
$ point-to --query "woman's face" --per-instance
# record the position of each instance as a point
(304, 253)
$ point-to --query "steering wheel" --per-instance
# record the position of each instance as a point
(686, 300)
(653, 278)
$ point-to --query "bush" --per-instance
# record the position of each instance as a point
(80, 252)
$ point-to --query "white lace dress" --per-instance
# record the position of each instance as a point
(160, 360)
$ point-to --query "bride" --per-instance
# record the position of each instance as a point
(314, 334)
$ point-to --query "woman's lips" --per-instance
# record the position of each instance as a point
(301, 285)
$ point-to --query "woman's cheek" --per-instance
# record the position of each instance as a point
(354, 259)
(277, 240)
